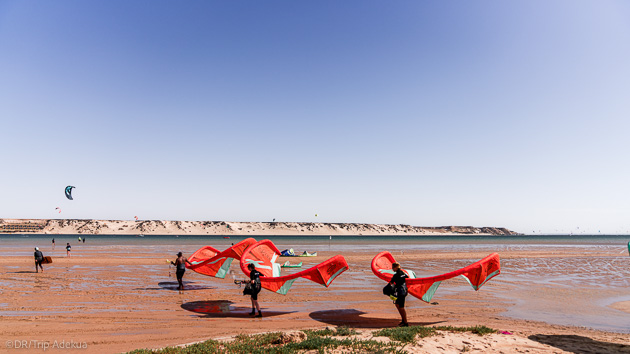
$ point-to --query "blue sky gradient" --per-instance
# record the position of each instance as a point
(511, 114)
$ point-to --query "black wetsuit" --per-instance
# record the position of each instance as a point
(400, 287)
(39, 257)
(181, 269)
(255, 276)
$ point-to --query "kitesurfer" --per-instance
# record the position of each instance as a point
(39, 258)
(68, 248)
(400, 286)
(180, 264)
(254, 280)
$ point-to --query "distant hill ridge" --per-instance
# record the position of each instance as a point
(166, 227)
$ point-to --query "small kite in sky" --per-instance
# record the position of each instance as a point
(69, 192)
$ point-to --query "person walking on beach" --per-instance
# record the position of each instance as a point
(68, 248)
(39, 258)
(180, 264)
(254, 281)
(400, 286)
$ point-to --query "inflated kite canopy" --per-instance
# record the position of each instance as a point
(209, 261)
(263, 256)
(476, 274)
(69, 192)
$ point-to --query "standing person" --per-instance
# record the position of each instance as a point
(400, 287)
(180, 264)
(83, 239)
(53, 243)
(39, 258)
(254, 280)
(68, 248)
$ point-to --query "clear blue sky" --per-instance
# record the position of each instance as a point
(487, 113)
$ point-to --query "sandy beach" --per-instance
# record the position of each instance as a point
(116, 298)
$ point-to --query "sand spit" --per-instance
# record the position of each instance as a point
(167, 227)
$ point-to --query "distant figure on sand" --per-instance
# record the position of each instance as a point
(400, 286)
(180, 264)
(39, 258)
(254, 280)
(68, 248)
(53, 243)
(83, 239)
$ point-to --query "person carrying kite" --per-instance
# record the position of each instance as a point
(180, 264)
(400, 289)
(39, 258)
(254, 280)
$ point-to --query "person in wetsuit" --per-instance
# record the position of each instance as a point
(400, 286)
(254, 280)
(39, 258)
(68, 248)
(180, 264)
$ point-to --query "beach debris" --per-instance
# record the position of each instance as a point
(505, 332)
(476, 274)
(69, 192)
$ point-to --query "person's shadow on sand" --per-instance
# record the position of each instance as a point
(173, 285)
(579, 344)
(355, 319)
(224, 309)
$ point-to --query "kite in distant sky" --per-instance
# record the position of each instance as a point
(69, 192)
(58, 208)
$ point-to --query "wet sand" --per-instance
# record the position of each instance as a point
(116, 299)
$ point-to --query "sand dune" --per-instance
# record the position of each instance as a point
(168, 227)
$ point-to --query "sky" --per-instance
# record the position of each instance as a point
(507, 114)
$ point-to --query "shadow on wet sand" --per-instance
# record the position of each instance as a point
(224, 309)
(355, 319)
(172, 285)
(579, 344)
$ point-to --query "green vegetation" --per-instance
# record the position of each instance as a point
(480, 330)
(405, 334)
(339, 331)
(321, 340)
